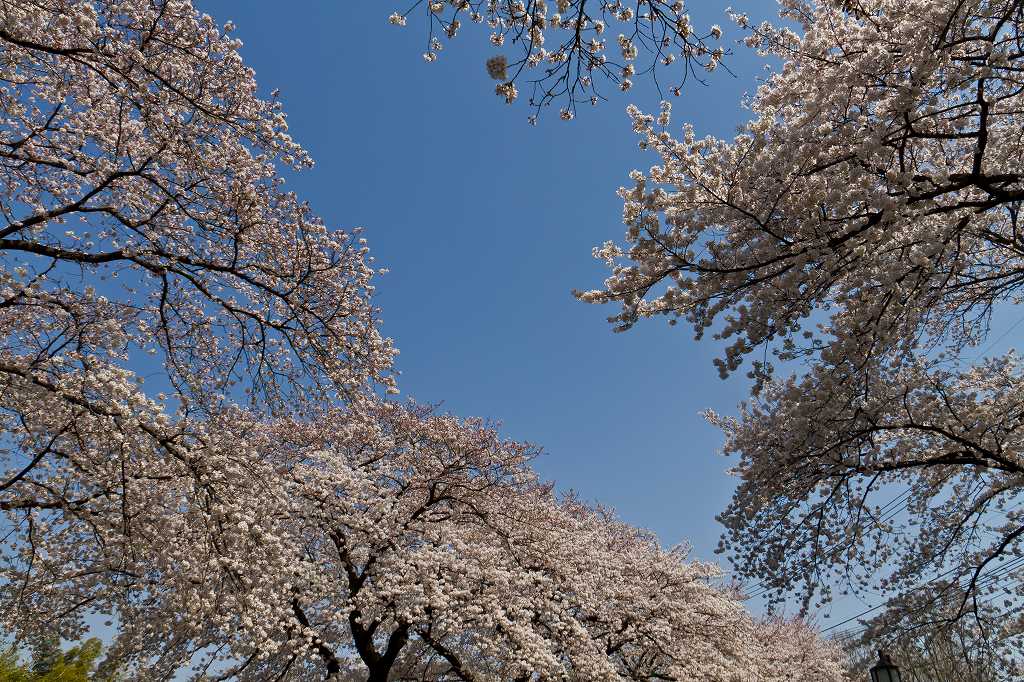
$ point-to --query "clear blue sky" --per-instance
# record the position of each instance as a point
(486, 225)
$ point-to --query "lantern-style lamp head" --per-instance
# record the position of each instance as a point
(885, 670)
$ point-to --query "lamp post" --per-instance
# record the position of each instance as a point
(885, 670)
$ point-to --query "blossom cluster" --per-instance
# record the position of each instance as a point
(860, 229)
(252, 509)
(560, 51)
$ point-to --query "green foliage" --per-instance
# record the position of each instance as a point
(50, 664)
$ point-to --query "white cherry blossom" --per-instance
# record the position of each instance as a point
(254, 510)
(862, 227)
(555, 52)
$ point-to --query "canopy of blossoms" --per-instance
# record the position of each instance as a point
(862, 228)
(261, 513)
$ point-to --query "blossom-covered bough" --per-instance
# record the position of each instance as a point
(257, 511)
(137, 159)
(143, 217)
(865, 223)
(429, 550)
(567, 52)
(145, 230)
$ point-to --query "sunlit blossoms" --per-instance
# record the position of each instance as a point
(425, 548)
(145, 213)
(508, 91)
(253, 509)
(790, 650)
(864, 223)
(561, 52)
(146, 228)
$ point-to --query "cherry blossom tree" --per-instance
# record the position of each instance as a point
(565, 52)
(429, 537)
(863, 227)
(146, 229)
(791, 649)
(260, 513)
(384, 540)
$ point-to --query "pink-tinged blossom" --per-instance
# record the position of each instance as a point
(793, 651)
(260, 513)
(146, 224)
(556, 53)
(864, 223)
(374, 540)
(136, 153)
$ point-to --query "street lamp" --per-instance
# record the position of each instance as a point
(885, 670)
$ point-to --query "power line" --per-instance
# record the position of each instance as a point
(902, 500)
(1000, 338)
(983, 581)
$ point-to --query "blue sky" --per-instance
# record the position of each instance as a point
(487, 224)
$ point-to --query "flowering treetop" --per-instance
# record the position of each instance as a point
(143, 212)
(377, 540)
(266, 516)
(568, 52)
(865, 222)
